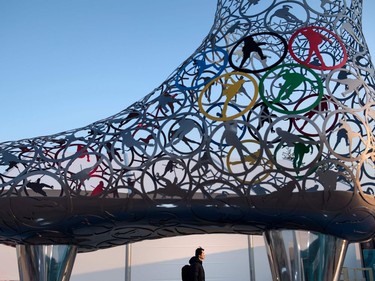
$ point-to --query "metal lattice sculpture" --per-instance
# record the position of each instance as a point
(268, 125)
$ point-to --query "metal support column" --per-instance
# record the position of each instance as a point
(45, 262)
(128, 256)
(250, 243)
(304, 256)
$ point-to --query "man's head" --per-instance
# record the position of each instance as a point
(199, 253)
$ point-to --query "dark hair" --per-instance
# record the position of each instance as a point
(198, 251)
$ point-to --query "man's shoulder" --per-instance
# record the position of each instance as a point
(193, 260)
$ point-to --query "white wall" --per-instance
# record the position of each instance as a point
(227, 257)
(8, 263)
(101, 265)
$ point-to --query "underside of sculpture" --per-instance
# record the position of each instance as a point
(267, 126)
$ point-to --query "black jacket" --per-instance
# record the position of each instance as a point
(197, 270)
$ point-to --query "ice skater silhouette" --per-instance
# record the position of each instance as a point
(249, 47)
(292, 81)
(346, 133)
(284, 14)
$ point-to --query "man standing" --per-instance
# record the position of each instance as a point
(197, 270)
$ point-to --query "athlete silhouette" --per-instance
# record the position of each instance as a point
(292, 81)
(314, 39)
(265, 116)
(37, 187)
(231, 139)
(284, 14)
(300, 149)
(230, 91)
(249, 47)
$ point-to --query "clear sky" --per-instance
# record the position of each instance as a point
(67, 63)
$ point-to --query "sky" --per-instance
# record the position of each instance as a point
(65, 64)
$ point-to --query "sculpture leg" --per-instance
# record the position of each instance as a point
(304, 256)
(45, 262)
